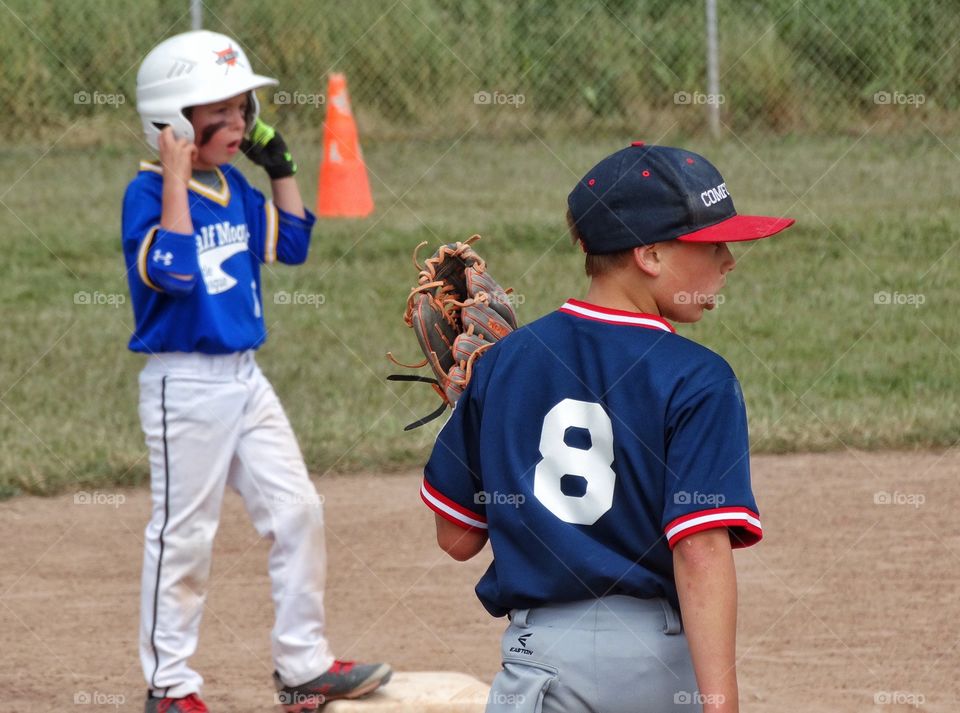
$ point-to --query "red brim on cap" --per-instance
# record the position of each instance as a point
(739, 228)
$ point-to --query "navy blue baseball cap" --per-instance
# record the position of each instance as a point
(648, 194)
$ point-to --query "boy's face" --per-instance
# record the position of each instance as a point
(218, 129)
(691, 276)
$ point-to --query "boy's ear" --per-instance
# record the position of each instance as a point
(648, 259)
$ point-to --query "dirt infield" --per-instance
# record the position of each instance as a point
(850, 603)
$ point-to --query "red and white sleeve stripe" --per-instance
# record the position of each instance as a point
(446, 508)
(744, 522)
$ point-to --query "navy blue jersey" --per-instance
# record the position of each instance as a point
(588, 443)
(201, 292)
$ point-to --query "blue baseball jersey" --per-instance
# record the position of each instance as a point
(587, 444)
(201, 292)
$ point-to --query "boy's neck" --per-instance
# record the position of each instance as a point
(198, 166)
(610, 293)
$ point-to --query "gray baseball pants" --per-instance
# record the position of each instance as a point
(617, 654)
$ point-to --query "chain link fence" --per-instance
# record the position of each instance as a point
(445, 68)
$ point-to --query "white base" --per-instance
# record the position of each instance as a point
(421, 692)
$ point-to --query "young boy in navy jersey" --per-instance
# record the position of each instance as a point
(606, 458)
(195, 237)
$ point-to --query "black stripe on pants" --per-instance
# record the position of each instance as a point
(166, 517)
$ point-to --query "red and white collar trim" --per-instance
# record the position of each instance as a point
(615, 316)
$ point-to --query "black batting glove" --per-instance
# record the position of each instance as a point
(266, 148)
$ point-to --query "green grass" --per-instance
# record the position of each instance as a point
(822, 365)
(414, 66)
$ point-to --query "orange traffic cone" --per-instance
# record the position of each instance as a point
(344, 189)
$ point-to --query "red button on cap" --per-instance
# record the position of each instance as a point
(637, 143)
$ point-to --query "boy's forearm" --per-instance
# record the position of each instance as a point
(457, 542)
(175, 207)
(286, 196)
(707, 586)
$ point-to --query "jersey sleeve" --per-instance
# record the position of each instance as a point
(164, 261)
(276, 235)
(708, 467)
(451, 479)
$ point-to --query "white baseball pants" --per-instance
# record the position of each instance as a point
(209, 422)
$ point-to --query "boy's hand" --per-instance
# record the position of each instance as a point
(266, 148)
(176, 155)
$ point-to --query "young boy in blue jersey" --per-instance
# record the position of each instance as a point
(196, 235)
(606, 458)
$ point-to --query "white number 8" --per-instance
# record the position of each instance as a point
(593, 464)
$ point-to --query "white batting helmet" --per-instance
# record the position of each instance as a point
(189, 69)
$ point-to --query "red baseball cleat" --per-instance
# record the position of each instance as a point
(345, 679)
(188, 704)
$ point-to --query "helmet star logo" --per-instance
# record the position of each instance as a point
(229, 57)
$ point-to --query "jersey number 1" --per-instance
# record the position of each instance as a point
(560, 459)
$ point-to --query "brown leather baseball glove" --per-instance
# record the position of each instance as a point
(458, 311)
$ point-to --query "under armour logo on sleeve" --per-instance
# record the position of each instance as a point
(164, 257)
